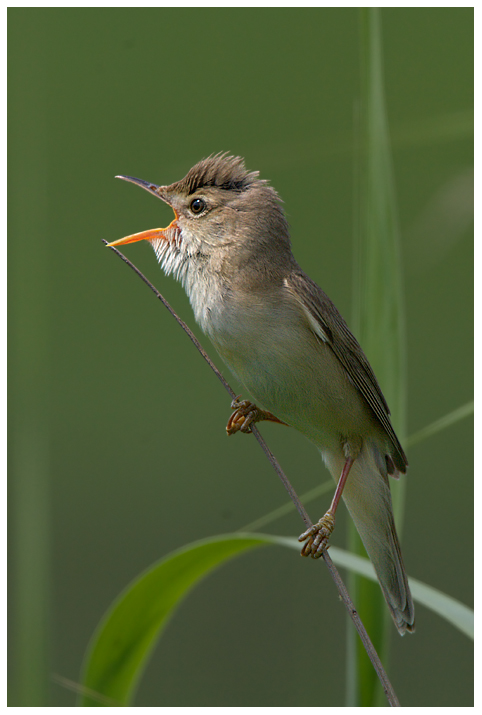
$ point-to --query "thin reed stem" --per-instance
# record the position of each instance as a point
(333, 571)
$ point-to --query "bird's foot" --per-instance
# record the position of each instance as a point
(317, 536)
(245, 414)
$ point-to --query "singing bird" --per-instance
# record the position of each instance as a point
(285, 341)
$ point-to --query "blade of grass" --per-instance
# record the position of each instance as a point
(447, 421)
(287, 508)
(380, 316)
(453, 611)
(30, 517)
(127, 634)
(29, 283)
(123, 641)
(438, 426)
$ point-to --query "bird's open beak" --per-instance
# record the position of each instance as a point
(153, 233)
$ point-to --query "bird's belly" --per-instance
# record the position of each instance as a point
(293, 374)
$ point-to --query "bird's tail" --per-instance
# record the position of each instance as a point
(368, 499)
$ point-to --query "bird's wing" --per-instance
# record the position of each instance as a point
(327, 323)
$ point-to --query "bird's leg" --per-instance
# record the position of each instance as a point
(317, 536)
(245, 414)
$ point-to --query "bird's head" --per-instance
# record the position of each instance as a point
(225, 217)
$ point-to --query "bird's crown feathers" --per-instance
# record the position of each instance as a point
(221, 171)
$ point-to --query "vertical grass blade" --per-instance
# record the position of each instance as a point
(29, 364)
(379, 318)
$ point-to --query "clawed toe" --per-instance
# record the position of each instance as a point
(245, 414)
(317, 536)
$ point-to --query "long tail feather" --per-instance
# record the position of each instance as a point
(368, 499)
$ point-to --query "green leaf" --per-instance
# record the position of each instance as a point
(379, 322)
(124, 639)
(447, 421)
(456, 613)
(453, 611)
(123, 642)
(289, 507)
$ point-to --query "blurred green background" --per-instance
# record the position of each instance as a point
(116, 442)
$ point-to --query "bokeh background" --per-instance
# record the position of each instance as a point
(117, 446)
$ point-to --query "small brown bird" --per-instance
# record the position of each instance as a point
(288, 345)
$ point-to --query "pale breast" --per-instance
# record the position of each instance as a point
(270, 347)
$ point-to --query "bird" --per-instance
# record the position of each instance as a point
(287, 344)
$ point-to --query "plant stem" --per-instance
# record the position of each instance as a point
(344, 595)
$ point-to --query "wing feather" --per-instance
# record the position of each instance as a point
(327, 323)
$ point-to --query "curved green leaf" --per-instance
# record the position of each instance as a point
(455, 612)
(125, 637)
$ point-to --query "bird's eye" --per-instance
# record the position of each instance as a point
(198, 206)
